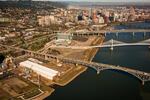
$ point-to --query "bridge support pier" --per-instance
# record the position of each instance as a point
(98, 71)
(31, 54)
(117, 34)
(45, 57)
(112, 48)
(143, 82)
(133, 34)
(144, 34)
(57, 60)
(105, 34)
(76, 64)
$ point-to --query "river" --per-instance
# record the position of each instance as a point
(109, 84)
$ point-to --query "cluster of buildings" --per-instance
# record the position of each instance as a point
(117, 14)
(5, 20)
(57, 16)
(46, 20)
(90, 16)
(29, 22)
(28, 18)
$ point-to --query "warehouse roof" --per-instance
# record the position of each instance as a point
(39, 69)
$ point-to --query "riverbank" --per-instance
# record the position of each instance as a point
(76, 70)
(70, 75)
(48, 91)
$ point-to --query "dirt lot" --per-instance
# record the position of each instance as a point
(4, 95)
(13, 86)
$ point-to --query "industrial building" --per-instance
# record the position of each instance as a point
(39, 69)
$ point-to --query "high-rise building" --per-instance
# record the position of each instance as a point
(94, 16)
(132, 11)
(90, 13)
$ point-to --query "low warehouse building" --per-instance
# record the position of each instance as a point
(39, 69)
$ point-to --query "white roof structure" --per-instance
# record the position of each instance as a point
(39, 69)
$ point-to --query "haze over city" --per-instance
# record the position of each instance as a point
(100, 0)
(89, 0)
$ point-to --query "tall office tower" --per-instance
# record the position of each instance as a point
(90, 13)
(94, 16)
(132, 11)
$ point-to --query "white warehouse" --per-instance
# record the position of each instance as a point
(39, 69)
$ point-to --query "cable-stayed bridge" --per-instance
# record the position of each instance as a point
(110, 43)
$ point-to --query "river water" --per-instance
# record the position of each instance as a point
(109, 84)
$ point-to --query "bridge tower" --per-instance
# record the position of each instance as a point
(112, 48)
(133, 34)
(117, 34)
(98, 71)
(144, 34)
(143, 82)
(105, 34)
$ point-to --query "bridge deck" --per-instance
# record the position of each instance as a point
(101, 46)
(114, 31)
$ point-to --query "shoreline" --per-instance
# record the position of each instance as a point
(90, 54)
(44, 95)
(72, 78)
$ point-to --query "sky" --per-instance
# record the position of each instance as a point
(104, 0)
(97, 0)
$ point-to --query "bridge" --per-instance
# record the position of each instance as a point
(111, 43)
(111, 31)
(143, 76)
(105, 32)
